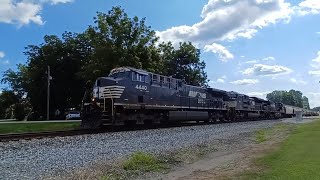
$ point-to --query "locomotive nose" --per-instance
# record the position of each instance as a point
(108, 88)
(101, 82)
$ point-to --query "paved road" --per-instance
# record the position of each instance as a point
(55, 121)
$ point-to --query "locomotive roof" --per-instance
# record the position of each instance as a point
(235, 93)
(259, 99)
(218, 90)
(128, 69)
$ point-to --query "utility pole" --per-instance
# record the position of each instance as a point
(48, 94)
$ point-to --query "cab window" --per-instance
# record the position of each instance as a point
(161, 79)
(138, 77)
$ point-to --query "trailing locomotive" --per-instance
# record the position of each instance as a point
(135, 96)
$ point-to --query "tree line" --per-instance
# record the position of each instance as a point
(114, 40)
(292, 97)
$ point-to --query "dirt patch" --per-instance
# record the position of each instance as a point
(230, 164)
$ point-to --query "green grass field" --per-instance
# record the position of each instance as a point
(37, 127)
(297, 158)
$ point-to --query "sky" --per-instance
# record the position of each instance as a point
(249, 46)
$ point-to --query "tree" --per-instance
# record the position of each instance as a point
(8, 101)
(65, 57)
(305, 102)
(118, 40)
(316, 109)
(183, 63)
(292, 97)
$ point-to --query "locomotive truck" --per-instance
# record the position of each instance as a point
(134, 96)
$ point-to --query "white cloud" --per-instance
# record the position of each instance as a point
(23, 12)
(60, 1)
(220, 50)
(315, 73)
(308, 7)
(266, 70)
(2, 54)
(316, 61)
(6, 62)
(314, 99)
(270, 58)
(245, 82)
(20, 12)
(228, 20)
(220, 80)
(298, 82)
(252, 62)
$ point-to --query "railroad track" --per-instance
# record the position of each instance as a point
(105, 129)
(40, 135)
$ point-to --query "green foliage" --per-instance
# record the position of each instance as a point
(37, 127)
(7, 101)
(183, 63)
(305, 102)
(316, 109)
(114, 40)
(19, 112)
(144, 162)
(261, 136)
(292, 97)
(297, 158)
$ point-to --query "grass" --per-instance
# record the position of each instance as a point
(140, 161)
(37, 127)
(261, 136)
(297, 158)
(265, 134)
(137, 163)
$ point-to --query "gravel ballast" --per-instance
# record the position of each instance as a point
(34, 159)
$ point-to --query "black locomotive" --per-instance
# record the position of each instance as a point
(135, 96)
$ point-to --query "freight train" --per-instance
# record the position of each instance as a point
(133, 96)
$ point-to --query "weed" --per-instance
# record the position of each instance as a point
(140, 161)
(261, 136)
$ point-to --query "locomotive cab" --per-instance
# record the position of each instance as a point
(123, 85)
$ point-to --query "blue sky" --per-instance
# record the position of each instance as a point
(250, 46)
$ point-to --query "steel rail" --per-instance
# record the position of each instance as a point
(48, 134)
